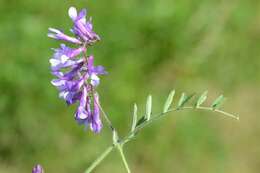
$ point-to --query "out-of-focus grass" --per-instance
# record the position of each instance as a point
(147, 46)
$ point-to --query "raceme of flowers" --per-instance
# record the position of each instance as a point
(76, 76)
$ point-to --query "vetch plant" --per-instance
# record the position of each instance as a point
(77, 80)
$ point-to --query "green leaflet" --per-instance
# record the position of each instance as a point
(184, 99)
(141, 121)
(201, 99)
(148, 112)
(148, 108)
(134, 121)
(216, 104)
(168, 102)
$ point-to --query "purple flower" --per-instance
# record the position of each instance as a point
(69, 89)
(82, 112)
(63, 57)
(93, 71)
(96, 124)
(69, 52)
(71, 74)
(82, 28)
(63, 62)
(76, 76)
(37, 169)
(59, 35)
(87, 116)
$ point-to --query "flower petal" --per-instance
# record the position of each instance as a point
(73, 13)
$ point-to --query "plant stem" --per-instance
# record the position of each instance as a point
(99, 159)
(120, 149)
(219, 111)
(105, 116)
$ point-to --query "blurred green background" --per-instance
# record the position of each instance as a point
(148, 46)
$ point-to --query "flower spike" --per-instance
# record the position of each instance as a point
(76, 76)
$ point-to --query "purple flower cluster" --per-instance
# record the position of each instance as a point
(76, 75)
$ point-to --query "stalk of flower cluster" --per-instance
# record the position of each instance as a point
(117, 143)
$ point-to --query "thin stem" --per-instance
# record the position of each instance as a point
(105, 116)
(120, 149)
(215, 110)
(99, 159)
(109, 149)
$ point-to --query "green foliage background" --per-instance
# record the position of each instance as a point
(148, 46)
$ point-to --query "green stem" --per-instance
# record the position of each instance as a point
(105, 116)
(99, 159)
(120, 149)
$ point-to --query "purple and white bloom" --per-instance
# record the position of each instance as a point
(94, 119)
(63, 57)
(93, 71)
(37, 169)
(82, 113)
(87, 116)
(69, 52)
(82, 28)
(69, 89)
(59, 35)
(63, 62)
(76, 76)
